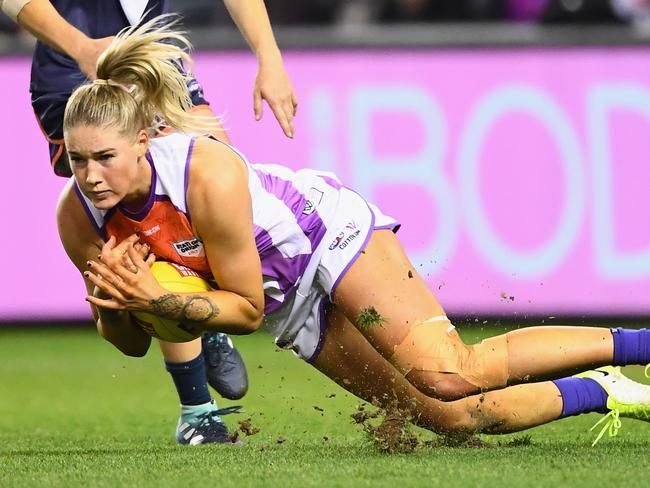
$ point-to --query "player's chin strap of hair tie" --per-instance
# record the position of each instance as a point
(127, 88)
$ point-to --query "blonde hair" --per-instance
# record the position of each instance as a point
(141, 84)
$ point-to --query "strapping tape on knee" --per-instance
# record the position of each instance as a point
(434, 345)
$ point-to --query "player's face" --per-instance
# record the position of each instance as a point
(109, 168)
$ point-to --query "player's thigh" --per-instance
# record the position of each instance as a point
(383, 279)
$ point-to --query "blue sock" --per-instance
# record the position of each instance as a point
(189, 378)
(581, 395)
(631, 346)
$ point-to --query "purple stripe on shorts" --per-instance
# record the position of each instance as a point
(312, 225)
(270, 305)
(323, 326)
(187, 176)
(371, 228)
(394, 227)
(100, 230)
(139, 215)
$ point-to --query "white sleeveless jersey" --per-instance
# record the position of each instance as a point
(291, 211)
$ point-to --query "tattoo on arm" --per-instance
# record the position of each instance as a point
(167, 305)
(192, 309)
(199, 309)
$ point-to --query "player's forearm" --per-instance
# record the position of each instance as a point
(42, 20)
(252, 20)
(219, 311)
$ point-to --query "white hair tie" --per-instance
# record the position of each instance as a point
(127, 88)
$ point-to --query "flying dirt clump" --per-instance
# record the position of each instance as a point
(247, 427)
(369, 318)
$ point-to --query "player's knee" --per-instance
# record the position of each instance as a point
(433, 350)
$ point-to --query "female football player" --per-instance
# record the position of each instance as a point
(71, 35)
(303, 256)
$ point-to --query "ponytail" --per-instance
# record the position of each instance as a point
(141, 83)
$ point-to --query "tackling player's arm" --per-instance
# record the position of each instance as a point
(82, 244)
(272, 82)
(42, 20)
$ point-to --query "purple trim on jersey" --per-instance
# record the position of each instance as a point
(312, 225)
(167, 198)
(140, 215)
(187, 177)
(371, 228)
(284, 270)
(100, 230)
(331, 182)
(322, 324)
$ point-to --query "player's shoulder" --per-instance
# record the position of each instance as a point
(68, 200)
(215, 162)
(76, 230)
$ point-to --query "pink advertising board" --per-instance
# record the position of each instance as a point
(521, 177)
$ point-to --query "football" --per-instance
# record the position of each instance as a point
(177, 278)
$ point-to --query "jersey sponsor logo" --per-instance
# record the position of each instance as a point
(152, 231)
(189, 247)
(314, 197)
(336, 241)
(346, 236)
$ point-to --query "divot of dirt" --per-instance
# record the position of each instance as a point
(393, 434)
(361, 415)
(247, 428)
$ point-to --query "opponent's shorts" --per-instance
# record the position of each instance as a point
(49, 109)
(299, 324)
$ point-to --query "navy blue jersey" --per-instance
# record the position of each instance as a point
(56, 72)
(55, 75)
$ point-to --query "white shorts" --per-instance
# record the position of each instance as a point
(300, 323)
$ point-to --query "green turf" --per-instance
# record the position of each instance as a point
(74, 412)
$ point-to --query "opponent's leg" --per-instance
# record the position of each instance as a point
(414, 335)
(199, 422)
(225, 368)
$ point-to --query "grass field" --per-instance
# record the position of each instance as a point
(74, 412)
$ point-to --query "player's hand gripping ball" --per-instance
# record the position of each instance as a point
(177, 278)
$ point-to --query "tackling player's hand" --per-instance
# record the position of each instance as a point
(273, 85)
(89, 54)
